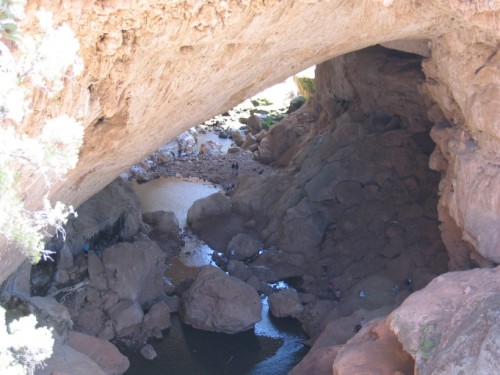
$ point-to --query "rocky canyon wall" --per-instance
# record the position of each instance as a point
(154, 68)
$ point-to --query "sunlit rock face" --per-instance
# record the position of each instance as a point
(155, 68)
(452, 325)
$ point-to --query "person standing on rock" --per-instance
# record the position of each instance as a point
(324, 271)
(395, 290)
(330, 286)
(337, 295)
(409, 284)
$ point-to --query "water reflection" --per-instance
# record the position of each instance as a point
(272, 348)
(172, 194)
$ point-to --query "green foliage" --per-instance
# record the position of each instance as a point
(271, 119)
(306, 86)
(23, 346)
(10, 12)
(46, 56)
(261, 102)
(429, 339)
(24, 229)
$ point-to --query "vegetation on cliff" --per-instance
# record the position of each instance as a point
(23, 345)
(33, 63)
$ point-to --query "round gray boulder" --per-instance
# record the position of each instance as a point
(220, 303)
(285, 303)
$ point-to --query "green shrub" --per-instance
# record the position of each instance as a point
(23, 346)
(261, 102)
(270, 120)
(45, 56)
(429, 339)
(306, 86)
(10, 12)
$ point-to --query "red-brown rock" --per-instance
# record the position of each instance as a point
(452, 326)
(104, 353)
(374, 350)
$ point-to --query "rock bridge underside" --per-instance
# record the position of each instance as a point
(153, 69)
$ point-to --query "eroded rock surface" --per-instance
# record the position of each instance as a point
(375, 350)
(360, 200)
(453, 325)
(118, 96)
(114, 210)
(135, 270)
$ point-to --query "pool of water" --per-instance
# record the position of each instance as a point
(172, 194)
(274, 346)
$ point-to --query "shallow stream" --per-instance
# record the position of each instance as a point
(273, 347)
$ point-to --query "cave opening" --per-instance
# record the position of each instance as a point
(338, 194)
(361, 199)
(347, 203)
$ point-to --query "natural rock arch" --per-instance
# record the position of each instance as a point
(153, 69)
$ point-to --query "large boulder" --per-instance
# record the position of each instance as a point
(238, 137)
(239, 270)
(165, 230)
(374, 350)
(163, 223)
(186, 143)
(104, 353)
(210, 148)
(285, 302)
(157, 319)
(318, 362)
(255, 124)
(221, 303)
(452, 326)
(217, 204)
(66, 360)
(135, 270)
(127, 317)
(243, 246)
(114, 208)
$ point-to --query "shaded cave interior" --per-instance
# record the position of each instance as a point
(357, 206)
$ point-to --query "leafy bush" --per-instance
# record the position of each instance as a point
(261, 102)
(306, 86)
(23, 346)
(46, 57)
(270, 120)
(10, 12)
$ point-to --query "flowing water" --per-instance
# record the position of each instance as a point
(273, 347)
